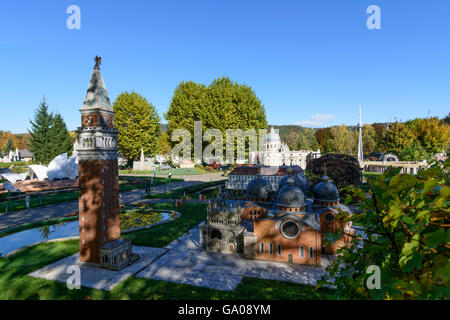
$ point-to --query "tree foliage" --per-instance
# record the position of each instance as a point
(405, 219)
(222, 105)
(48, 135)
(398, 137)
(138, 124)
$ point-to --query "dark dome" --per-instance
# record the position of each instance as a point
(290, 195)
(299, 181)
(258, 188)
(326, 191)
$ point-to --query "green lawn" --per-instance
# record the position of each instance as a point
(15, 284)
(20, 204)
(174, 171)
(189, 191)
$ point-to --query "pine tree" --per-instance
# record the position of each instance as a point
(40, 142)
(9, 146)
(61, 142)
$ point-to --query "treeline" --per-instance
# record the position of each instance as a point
(414, 140)
(10, 141)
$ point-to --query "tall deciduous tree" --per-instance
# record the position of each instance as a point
(222, 105)
(138, 124)
(369, 139)
(341, 140)
(398, 137)
(431, 134)
(40, 141)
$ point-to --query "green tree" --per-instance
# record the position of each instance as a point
(380, 132)
(323, 137)
(61, 142)
(9, 146)
(40, 140)
(369, 139)
(164, 145)
(398, 137)
(414, 152)
(431, 134)
(222, 105)
(405, 219)
(341, 139)
(138, 124)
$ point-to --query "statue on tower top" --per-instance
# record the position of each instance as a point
(98, 62)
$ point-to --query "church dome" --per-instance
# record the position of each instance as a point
(290, 195)
(299, 181)
(272, 136)
(258, 188)
(326, 191)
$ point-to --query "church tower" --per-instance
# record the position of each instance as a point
(99, 209)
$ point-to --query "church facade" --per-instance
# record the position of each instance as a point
(274, 153)
(278, 225)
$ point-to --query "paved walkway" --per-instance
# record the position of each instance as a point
(59, 210)
(186, 263)
(183, 262)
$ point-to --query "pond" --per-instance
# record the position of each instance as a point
(61, 230)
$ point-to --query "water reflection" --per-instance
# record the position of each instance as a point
(31, 236)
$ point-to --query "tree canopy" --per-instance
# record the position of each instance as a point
(221, 105)
(137, 121)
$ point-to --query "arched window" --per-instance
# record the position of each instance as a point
(279, 249)
(261, 247)
(270, 248)
(302, 252)
(311, 252)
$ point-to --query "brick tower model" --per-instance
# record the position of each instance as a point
(99, 211)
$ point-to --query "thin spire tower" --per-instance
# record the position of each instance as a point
(360, 144)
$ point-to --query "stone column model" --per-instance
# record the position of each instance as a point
(99, 206)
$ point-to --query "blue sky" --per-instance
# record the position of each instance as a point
(310, 62)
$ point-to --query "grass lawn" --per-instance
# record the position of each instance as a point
(20, 204)
(189, 191)
(174, 171)
(15, 284)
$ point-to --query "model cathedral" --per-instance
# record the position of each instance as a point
(279, 225)
(99, 207)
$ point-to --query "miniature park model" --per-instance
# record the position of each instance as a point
(99, 203)
(280, 226)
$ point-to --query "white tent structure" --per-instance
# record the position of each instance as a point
(61, 167)
(14, 177)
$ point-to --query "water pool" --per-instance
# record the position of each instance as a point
(61, 230)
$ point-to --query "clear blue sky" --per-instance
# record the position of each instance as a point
(308, 61)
